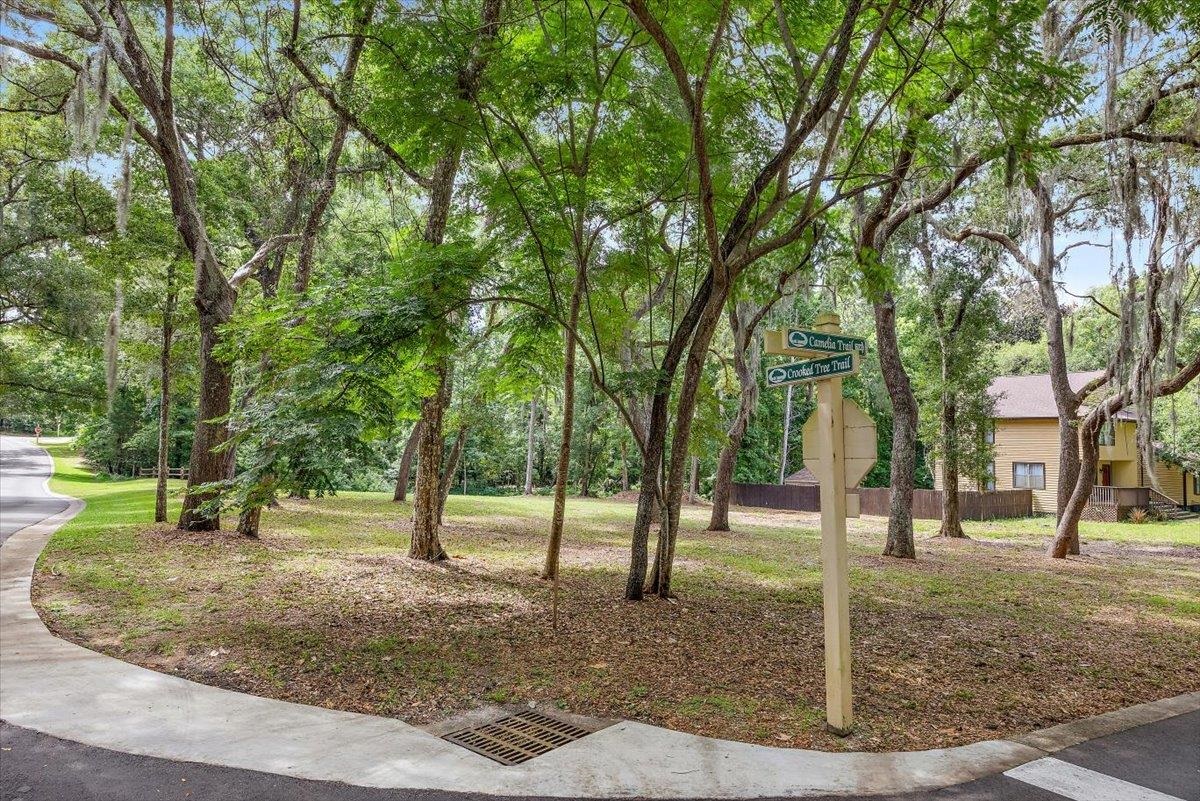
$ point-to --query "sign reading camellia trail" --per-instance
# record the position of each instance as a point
(814, 370)
(808, 342)
(839, 448)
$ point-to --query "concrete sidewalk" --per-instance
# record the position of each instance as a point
(60, 689)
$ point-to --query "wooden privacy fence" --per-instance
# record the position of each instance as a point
(172, 472)
(927, 504)
(972, 505)
(798, 498)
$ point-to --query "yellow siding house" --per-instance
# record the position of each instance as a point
(1025, 442)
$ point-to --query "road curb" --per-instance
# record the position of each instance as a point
(1056, 738)
(66, 691)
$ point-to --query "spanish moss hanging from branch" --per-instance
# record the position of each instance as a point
(124, 187)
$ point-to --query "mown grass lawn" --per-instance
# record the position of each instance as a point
(973, 640)
(1041, 530)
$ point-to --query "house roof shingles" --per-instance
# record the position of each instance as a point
(1031, 396)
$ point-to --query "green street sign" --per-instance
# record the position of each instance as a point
(822, 342)
(815, 370)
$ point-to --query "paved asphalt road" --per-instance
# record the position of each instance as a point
(1157, 762)
(23, 501)
(1160, 762)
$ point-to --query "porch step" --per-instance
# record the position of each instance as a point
(1180, 514)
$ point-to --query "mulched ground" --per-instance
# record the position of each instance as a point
(974, 640)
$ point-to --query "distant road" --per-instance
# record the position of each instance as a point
(24, 468)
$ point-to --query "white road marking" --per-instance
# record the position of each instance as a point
(1082, 784)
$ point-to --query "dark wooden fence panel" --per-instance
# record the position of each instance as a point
(798, 498)
(927, 504)
(875, 500)
(999, 503)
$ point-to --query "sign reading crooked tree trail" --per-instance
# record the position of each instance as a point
(824, 342)
(814, 370)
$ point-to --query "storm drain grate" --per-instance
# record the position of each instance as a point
(517, 738)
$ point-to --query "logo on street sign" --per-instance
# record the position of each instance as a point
(814, 370)
(822, 342)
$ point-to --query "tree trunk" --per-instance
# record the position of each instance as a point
(248, 521)
(680, 437)
(1066, 540)
(639, 552)
(427, 499)
(723, 485)
(164, 398)
(529, 447)
(554, 546)
(624, 467)
(447, 480)
(694, 479)
(951, 516)
(215, 391)
(406, 459)
(747, 358)
(1066, 400)
(900, 542)
(425, 543)
(656, 433)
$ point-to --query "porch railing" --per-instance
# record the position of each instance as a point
(1160, 501)
(1102, 496)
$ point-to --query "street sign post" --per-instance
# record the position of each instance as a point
(860, 444)
(811, 342)
(814, 370)
(839, 448)
(37, 434)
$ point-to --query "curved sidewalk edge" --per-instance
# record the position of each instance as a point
(64, 690)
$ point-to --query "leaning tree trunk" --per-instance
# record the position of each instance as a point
(951, 513)
(426, 543)
(787, 435)
(900, 542)
(164, 399)
(1069, 470)
(639, 552)
(406, 460)
(554, 546)
(1066, 400)
(706, 326)
(746, 361)
(1066, 540)
(723, 484)
(456, 451)
(656, 435)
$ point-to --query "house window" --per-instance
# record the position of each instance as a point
(989, 482)
(1108, 434)
(1196, 485)
(1029, 475)
(989, 434)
